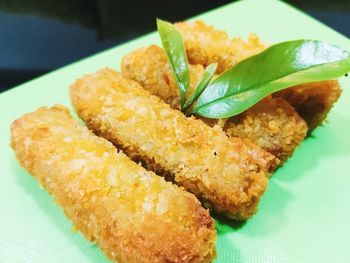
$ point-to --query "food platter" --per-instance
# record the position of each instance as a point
(302, 217)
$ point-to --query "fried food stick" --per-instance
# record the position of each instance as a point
(272, 124)
(204, 45)
(132, 214)
(150, 68)
(313, 101)
(228, 175)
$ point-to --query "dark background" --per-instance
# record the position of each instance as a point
(37, 36)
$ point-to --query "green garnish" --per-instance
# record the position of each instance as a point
(202, 84)
(279, 67)
(174, 48)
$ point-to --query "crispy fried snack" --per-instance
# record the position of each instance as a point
(228, 175)
(150, 68)
(272, 124)
(313, 101)
(205, 45)
(132, 214)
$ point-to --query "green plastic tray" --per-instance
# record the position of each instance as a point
(303, 217)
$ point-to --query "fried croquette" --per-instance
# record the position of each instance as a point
(313, 101)
(227, 174)
(150, 68)
(205, 44)
(132, 214)
(272, 124)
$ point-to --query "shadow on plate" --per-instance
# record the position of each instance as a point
(226, 228)
(224, 224)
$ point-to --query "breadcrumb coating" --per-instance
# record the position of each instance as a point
(150, 68)
(272, 124)
(228, 175)
(132, 214)
(313, 101)
(205, 45)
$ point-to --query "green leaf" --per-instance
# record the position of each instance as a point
(281, 66)
(201, 84)
(174, 48)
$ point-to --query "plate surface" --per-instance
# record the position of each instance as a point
(303, 217)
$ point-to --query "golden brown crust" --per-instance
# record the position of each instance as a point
(230, 174)
(313, 101)
(205, 45)
(132, 214)
(272, 124)
(150, 68)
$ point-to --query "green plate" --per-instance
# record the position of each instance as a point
(303, 217)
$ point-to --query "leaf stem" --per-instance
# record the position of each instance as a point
(201, 84)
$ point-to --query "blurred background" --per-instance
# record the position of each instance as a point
(38, 36)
